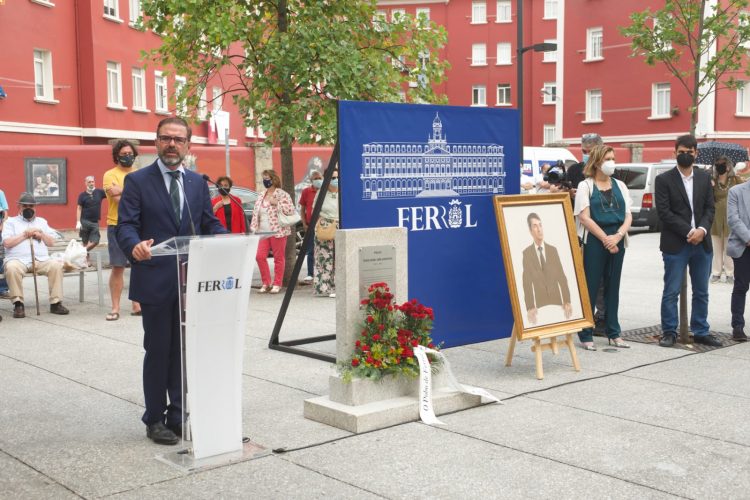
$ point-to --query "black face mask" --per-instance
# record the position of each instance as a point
(685, 159)
(28, 213)
(126, 161)
(721, 168)
(224, 191)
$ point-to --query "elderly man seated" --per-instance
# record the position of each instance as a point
(20, 234)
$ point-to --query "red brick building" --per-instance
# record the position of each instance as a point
(74, 79)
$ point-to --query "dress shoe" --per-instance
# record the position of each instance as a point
(667, 339)
(738, 335)
(158, 433)
(176, 428)
(18, 310)
(715, 279)
(58, 308)
(730, 280)
(707, 340)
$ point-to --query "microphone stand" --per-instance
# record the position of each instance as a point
(232, 199)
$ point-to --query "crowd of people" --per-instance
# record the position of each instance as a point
(705, 218)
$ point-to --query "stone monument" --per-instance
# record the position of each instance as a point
(363, 257)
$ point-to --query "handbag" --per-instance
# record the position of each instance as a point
(290, 220)
(325, 229)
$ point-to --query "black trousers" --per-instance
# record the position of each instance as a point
(162, 365)
(739, 292)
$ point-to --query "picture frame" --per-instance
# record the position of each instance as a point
(548, 294)
(47, 180)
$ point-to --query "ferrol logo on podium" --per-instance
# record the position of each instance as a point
(229, 283)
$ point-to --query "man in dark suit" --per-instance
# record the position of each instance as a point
(544, 281)
(158, 202)
(685, 204)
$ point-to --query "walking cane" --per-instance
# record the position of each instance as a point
(33, 273)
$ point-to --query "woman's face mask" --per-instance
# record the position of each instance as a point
(126, 161)
(267, 183)
(317, 183)
(608, 167)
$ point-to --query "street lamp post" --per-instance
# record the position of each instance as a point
(520, 49)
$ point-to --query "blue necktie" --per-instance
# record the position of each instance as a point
(174, 194)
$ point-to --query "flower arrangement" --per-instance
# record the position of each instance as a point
(390, 332)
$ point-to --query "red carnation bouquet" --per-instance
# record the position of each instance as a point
(390, 332)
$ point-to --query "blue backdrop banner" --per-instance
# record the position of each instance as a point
(434, 170)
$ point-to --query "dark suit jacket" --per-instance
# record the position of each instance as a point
(145, 212)
(543, 288)
(673, 208)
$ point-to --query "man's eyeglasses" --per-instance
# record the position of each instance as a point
(166, 139)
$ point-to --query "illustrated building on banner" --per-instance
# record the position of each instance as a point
(436, 168)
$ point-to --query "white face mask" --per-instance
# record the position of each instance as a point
(608, 167)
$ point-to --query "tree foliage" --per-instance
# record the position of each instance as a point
(285, 62)
(704, 44)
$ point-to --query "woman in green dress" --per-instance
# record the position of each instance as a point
(603, 210)
(723, 178)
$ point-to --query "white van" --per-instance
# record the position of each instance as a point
(533, 160)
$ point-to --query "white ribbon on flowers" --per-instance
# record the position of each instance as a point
(426, 411)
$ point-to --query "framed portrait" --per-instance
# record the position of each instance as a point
(47, 179)
(543, 264)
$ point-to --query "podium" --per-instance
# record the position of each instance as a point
(213, 298)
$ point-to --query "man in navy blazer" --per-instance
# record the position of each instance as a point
(158, 202)
(685, 204)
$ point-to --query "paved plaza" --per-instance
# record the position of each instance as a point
(647, 422)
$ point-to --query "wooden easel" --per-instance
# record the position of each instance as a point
(538, 347)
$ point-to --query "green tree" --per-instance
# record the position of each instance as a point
(286, 62)
(703, 44)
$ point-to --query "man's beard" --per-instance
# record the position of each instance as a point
(171, 161)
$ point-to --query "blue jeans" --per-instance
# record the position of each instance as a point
(698, 261)
(311, 258)
(3, 283)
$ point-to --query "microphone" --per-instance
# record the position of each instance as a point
(184, 197)
(232, 199)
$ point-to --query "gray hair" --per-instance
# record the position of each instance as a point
(89, 178)
(589, 141)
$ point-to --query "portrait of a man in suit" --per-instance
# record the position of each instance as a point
(544, 281)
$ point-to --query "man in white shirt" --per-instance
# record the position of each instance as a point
(20, 233)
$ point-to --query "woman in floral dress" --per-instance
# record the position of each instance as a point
(325, 272)
(265, 220)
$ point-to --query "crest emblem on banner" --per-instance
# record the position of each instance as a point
(455, 215)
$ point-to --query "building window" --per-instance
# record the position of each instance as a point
(594, 105)
(423, 13)
(550, 9)
(743, 99)
(479, 54)
(180, 98)
(504, 54)
(549, 93)
(379, 19)
(216, 99)
(478, 12)
(397, 15)
(139, 89)
(658, 37)
(548, 134)
(249, 130)
(594, 39)
(550, 56)
(660, 97)
(479, 95)
(503, 12)
(503, 94)
(135, 12)
(111, 8)
(160, 92)
(114, 85)
(43, 88)
(202, 105)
